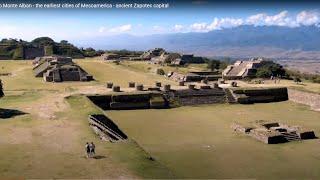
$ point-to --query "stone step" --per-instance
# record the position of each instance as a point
(291, 136)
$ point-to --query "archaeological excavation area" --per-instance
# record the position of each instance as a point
(147, 125)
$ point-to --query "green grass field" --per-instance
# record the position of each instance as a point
(187, 142)
(48, 141)
(198, 142)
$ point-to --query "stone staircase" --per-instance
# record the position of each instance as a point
(291, 136)
(230, 97)
(237, 70)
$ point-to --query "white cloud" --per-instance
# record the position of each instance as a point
(283, 18)
(224, 23)
(280, 19)
(217, 23)
(199, 27)
(178, 28)
(308, 18)
(159, 29)
(116, 29)
(102, 29)
(256, 19)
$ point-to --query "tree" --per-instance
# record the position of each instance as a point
(64, 42)
(213, 64)
(18, 53)
(270, 68)
(48, 50)
(42, 41)
(297, 80)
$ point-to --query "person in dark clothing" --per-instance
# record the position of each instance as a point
(92, 149)
(87, 148)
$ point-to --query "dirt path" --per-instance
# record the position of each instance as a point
(17, 71)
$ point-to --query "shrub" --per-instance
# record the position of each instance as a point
(213, 64)
(297, 80)
(48, 50)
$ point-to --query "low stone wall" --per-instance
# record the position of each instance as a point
(129, 100)
(199, 96)
(201, 100)
(259, 95)
(310, 99)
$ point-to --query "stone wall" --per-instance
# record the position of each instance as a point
(259, 95)
(306, 98)
(200, 96)
(201, 100)
(33, 52)
(129, 100)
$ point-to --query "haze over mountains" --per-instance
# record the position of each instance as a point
(278, 42)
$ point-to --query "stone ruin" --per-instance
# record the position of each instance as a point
(274, 132)
(257, 95)
(58, 69)
(241, 69)
(110, 56)
(202, 95)
(130, 100)
(105, 128)
(156, 52)
(195, 76)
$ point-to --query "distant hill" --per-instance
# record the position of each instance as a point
(19, 49)
(242, 41)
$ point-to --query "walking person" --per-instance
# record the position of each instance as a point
(92, 149)
(87, 149)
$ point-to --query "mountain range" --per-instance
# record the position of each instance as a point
(276, 42)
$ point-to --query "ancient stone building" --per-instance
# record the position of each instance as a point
(274, 132)
(152, 53)
(71, 72)
(242, 69)
(257, 95)
(42, 64)
(58, 69)
(110, 56)
(165, 58)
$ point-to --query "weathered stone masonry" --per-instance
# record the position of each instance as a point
(310, 99)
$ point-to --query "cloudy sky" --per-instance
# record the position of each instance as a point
(193, 16)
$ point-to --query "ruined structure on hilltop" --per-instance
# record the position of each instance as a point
(160, 56)
(242, 69)
(274, 132)
(165, 58)
(187, 59)
(42, 46)
(110, 56)
(58, 69)
(152, 53)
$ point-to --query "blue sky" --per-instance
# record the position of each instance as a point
(197, 16)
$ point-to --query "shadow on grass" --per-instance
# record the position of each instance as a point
(99, 157)
(95, 157)
(9, 113)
